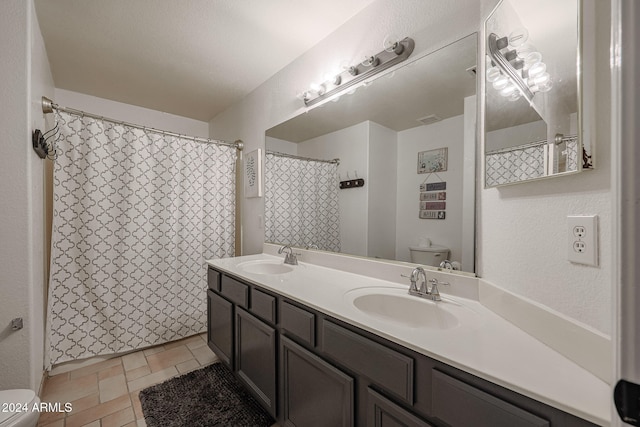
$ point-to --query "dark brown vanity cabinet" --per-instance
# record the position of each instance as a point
(314, 392)
(256, 357)
(310, 369)
(220, 327)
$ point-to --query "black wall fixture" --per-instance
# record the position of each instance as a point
(352, 183)
(39, 144)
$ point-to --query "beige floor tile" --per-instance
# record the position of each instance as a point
(93, 424)
(138, 372)
(199, 342)
(153, 350)
(85, 403)
(102, 410)
(112, 387)
(132, 424)
(111, 372)
(135, 402)
(57, 380)
(204, 355)
(184, 341)
(152, 379)
(71, 390)
(187, 366)
(119, 419)
(59, 423)
(96, 367)
(48, 418)
(141, 423)
(172, 357)
(133, 360)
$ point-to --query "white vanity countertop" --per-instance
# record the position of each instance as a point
(488, 347)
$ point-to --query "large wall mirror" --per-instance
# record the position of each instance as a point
(386, 171)
(532, 79)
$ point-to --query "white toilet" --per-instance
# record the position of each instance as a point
(24, 401)
(428, 255)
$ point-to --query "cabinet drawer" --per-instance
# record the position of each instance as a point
(385, 367)
(298, 322)
(481, 409)
(236, 291)
(263, 305)
(213, 279)
(381, 412)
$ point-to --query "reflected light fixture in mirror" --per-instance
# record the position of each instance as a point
(393, 53)
(516, 67)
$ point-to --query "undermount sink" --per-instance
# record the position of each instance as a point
(265, 267)
(395, 305)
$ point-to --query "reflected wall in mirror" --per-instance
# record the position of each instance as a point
(531, 97)
(377, 132)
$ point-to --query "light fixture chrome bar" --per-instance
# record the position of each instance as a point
(360, 72)
(48, 106)
(498, 58)
(292, 156)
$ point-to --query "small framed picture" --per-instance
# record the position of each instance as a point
(253, 174)
(432, 160)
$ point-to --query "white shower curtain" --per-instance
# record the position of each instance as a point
(136, 213)
(301, 202)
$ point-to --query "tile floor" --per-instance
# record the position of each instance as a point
(105, 394)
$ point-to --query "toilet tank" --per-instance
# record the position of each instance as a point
(432, 255)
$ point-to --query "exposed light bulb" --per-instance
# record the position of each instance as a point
(493, 74)
(532, 58)
(500, 83)
(518, 37)
(508, 90)
(537, 69)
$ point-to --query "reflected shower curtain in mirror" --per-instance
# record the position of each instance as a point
(136, 213)
(301, 202)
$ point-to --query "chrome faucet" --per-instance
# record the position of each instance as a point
(290, 257)
(424, 291)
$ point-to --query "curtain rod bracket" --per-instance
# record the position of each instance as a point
(239, 145)
(47, 105)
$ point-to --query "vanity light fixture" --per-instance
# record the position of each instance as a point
(516, 67)
(393, 54)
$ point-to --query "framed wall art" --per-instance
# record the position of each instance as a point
(253, 174)
(432, 160)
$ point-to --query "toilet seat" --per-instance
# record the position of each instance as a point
(20, 397)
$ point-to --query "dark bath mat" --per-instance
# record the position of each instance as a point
(210, 396)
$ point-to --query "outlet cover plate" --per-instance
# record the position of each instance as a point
(582, 239)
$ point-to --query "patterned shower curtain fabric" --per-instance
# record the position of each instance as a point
(136, 214)
(301, 202)
(516, 165)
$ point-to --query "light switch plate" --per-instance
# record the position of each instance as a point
(582, 239)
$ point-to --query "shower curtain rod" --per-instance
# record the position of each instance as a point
(558, 140)
(291, 156)
(48, 106)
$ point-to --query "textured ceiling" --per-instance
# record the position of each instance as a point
(192, 58)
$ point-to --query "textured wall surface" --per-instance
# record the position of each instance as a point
(24, 71)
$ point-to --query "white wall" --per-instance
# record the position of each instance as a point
(381, 187)
(410, 228)
(26, 76)
(281, 146)
(521, 229)
(351, 146)
(132, 114)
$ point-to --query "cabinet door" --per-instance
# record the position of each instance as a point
(256, 357)
(314, 392)
(381, 412)
(220, 327)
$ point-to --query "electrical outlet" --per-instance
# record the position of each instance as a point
(583, 239)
